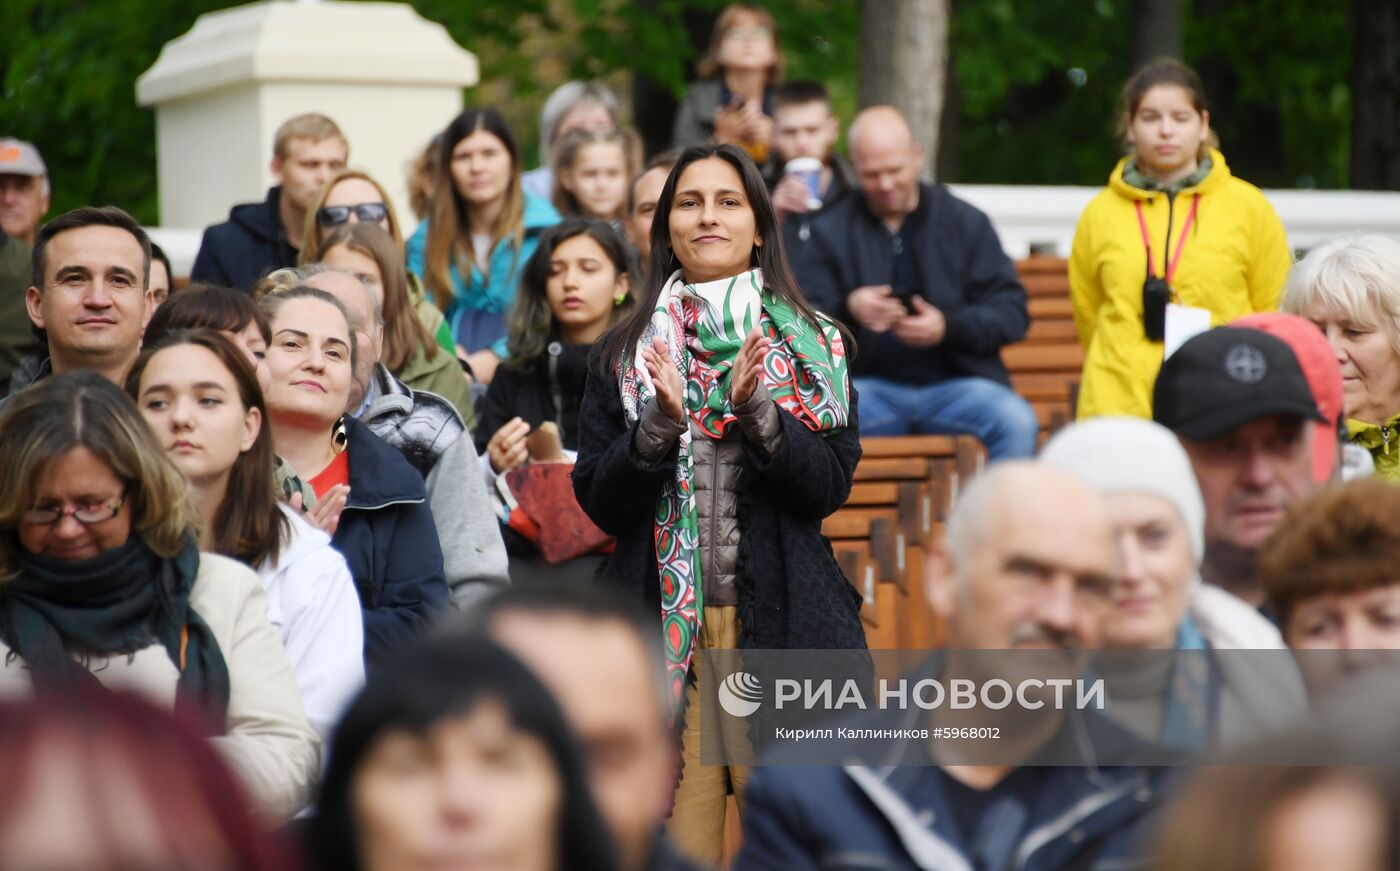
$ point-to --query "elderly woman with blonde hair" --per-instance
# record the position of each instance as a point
(1350, 288)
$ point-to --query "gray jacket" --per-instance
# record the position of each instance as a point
(473, 554)
(718, 463)
(695, 117)
(427, 430)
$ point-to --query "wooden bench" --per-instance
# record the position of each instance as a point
(904, 488)
(1045, 366)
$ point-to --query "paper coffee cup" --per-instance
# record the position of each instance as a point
(809, 169)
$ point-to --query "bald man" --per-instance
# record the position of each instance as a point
(1029, 565)
(922, 278)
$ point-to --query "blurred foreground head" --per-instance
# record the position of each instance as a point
(102, 781)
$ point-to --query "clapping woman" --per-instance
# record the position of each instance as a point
(386, 531)
(718, 429)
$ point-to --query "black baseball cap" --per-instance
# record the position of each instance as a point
(1227, 377)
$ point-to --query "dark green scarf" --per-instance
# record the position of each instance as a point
(116, 603)
(1142, 181)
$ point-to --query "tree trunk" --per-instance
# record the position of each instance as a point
(1375, 96)
(904, 63)
(1154, 31)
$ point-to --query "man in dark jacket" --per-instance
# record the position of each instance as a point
(90, 298)
(923, 278)
(805, 128)
(1028, 563)
(260, 237)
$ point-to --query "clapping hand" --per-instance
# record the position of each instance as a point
(665, 380)
(747, 364)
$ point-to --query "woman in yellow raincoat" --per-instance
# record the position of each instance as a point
(1172, 230)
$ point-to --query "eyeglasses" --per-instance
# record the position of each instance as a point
(748, 33)
(84, 514)
(369, 213)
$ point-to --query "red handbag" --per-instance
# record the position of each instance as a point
(543, 508)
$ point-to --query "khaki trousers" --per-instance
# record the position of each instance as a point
(697, 821)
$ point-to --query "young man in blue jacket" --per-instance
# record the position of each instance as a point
(1029, 565)
(257, 238)
(923, 279)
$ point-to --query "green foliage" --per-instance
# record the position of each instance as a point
(1038, 88)
(68, 83)
(1038, 81)
(1277, 76)
(1276, 72)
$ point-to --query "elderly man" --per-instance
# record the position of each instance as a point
(924, 278)
(1242, 408)
(1028, 566)
(642, 195)
(24, 189)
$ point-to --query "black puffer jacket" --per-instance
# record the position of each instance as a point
(421, 425)
(791, 592)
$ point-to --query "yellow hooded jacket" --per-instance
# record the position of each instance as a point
(1234, 263)
(1383, 441)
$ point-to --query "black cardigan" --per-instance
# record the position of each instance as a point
(792, 594)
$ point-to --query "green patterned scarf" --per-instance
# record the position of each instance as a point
(704, 326)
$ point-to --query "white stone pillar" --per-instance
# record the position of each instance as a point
(389, 78)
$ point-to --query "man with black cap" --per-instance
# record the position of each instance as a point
(1238, 401)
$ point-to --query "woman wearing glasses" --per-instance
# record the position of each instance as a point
(733, 103)
(350, 196)
(353, 197)
(103, 582)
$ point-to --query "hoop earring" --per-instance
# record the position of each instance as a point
(340, 440)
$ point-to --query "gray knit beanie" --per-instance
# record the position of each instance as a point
(1122, 454)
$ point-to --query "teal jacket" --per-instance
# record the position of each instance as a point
(478, 309)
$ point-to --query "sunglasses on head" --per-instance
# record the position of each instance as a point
(369, 213)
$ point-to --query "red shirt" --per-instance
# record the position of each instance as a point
(338, 472)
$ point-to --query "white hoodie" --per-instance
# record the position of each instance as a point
(312, 603)
(1261, 687)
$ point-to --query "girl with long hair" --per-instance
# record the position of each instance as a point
(591, 172)
(203, 402)
(483, 228)
(575, 287)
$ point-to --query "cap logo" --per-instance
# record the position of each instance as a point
(1246, 364)
(9, 155)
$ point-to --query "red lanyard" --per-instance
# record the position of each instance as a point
(1180, 243)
